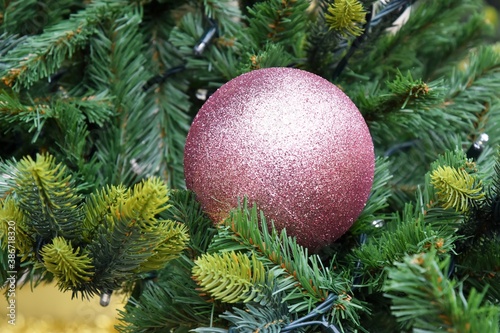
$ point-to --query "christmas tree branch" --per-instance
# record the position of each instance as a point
(171, 302)
(166, 98)
(71, 267)
(242, 224)
(408, 233)
(242, 279)
(55, 45)
(186, 210)
(415, 39)
(276, 20)
(473, 89)
(303, 277)
(91, 245)
(45, 193)
(425, 298)
(7, 43)
(377, 201)
(225, 12)
(407, 99)
(128, 151)
(33, 117)
(30, 16)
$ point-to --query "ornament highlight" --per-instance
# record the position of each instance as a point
(290, 141)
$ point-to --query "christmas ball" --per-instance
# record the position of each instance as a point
(292, 143)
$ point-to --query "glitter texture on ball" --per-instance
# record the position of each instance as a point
(290, 141)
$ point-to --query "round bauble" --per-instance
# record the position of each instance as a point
(292, 143)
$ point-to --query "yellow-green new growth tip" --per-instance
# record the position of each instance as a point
(230, 277)
(13, 230)
(140, 205)
(103, 206)
(66, 263)
(174, 239)
(44, 192)
(346, 16)
(456, 188)
(50, 179)
(148, 198)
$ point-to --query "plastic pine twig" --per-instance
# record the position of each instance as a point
(198, 49)
(345, 16)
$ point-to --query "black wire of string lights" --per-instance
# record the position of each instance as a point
(310, 318)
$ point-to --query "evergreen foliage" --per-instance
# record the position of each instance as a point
(96, 99)
(89, 245)
(456, 188)
(70, 268)
(241, 276)
(425, 299)
(346, 17)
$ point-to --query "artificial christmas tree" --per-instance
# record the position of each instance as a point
(97, 98)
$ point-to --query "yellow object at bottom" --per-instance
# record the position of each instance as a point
(47, 310)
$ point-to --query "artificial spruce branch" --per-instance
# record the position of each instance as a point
(402, 49)
(377, 201)
(100, 206)
(243, 227)
(230, 277)
(467, 97)
(346, 17)
(302, 276)
(70, 267)
(272, 318)
(118, 250)
(408, 233)
(456, 188)
(45, 193)
(109, 88)
(187, 211)
(89, 244)
(30, 17)
(55, 45)
(424, 298)
(130, 230)
(13, 110)
(406, 103)
(171, 301)
(13, 219)
(276, 21)
(173, 241)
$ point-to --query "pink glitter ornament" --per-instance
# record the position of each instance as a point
(289, 140)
